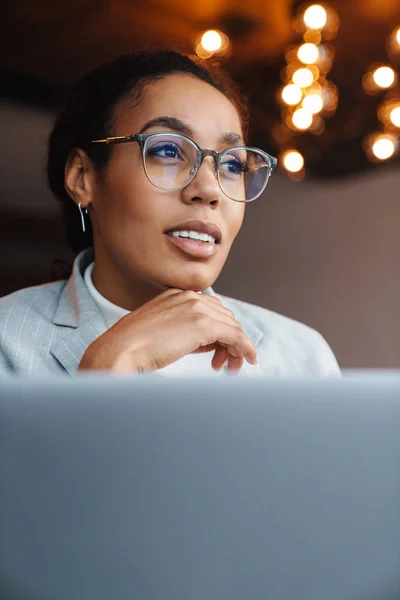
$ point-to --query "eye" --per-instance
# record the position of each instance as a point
(165, 150)
(233, 165)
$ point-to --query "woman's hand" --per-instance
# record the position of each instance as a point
(165, 329)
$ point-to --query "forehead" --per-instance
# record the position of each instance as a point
(186, 97)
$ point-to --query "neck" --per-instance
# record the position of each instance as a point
(119, 287)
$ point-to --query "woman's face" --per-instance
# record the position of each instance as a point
(131, 217)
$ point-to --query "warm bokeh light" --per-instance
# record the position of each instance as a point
(315, 16)
(292, 94)
(397, 35)
(313, 103)
(308, 54)
(312, 36)
(202, 53)
(293, 161)
(384, 77)
(395, 116)
(383, 148)
(302, 119)
(303, 77)
(211, 40)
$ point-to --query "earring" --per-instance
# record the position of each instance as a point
(82, 212)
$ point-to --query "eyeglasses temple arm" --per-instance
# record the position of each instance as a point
(115, 140)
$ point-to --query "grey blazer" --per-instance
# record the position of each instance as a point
(47, 328)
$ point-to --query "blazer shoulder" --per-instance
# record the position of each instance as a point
(291, 343)
(267, 320)
(32, 303)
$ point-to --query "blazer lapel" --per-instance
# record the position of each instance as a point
(78, 319)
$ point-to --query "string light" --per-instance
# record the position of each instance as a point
(308, 53)
(383, 148)
(291, 94)
(303, 77)
(315, 17)
(211, 40)
(313, 103)
(293, 161)
(302, 119)
(395, 116)
(384, 77)
(307, 91)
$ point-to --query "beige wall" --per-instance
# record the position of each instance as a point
(327, 254)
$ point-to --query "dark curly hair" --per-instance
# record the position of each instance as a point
(89, 112)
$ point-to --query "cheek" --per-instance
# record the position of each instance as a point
(234, 215)
(126, 191)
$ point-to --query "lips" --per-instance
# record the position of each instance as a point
(199, 227)
(193, 247)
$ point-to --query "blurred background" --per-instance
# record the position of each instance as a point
(322, 245)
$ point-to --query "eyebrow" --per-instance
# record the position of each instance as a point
(174, 124)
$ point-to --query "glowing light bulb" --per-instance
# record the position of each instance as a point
(395, 116)
(302, 119)
(303, 77)
(383, 148)
(315, 17)
(313, 103)
(308, 54)
(211, 40)
(292, 94)
(384, 77)
(293, 161)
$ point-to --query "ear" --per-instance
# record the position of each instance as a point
(79, 177)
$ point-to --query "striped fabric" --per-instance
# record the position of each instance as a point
(47, 328)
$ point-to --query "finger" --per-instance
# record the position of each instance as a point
(154, 304)
(220, 357)
(235, 363)
(215, 311)
(207, 348)
(217, 305)
(197, 303)
(234, 338)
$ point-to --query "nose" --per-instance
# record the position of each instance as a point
(204, 187)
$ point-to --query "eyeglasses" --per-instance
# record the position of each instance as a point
(171, 161)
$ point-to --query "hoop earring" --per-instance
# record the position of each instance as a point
(82, 212)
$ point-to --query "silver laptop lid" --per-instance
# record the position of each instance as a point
(146, 489)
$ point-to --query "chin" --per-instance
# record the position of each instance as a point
(196, 280)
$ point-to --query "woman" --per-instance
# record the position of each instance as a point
(148, 158)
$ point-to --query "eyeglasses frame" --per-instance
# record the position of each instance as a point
(142, 138)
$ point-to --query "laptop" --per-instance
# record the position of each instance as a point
(237, 489)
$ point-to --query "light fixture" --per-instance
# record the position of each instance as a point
(383, 147)
(302, 119)
(308, 53)
(303, 77)
(291, 94)
(313, 103)
(293, 161)
(395, 116)
(306, 90)
(315, 17)
(211, 40)
(384, 77)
